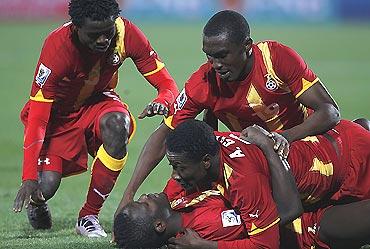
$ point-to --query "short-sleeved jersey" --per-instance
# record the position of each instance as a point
(69, 75)
(208, 214)
(267, 97)
(245, 182)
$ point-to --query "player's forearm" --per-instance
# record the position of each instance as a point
(284, 188)
(34, 137)
(165, 85)
(324, 118)
(150, 156)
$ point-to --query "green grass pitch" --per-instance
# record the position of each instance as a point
(339, 54)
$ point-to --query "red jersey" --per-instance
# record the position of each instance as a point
(245, 183)
(208, 214)
(68, 76)
(267, 97)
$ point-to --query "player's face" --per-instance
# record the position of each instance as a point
(155, 205)
(97, 35)
(229, 59)
(187, 173)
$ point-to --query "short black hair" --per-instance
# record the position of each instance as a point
(193, 137)
(135, 233)
(228, 22)
(97, 10)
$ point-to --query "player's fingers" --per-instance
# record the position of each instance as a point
(18, 202)
(162, 110)
(286, 151)
(156, 107)
(146, 112)
(277, 144)
(39, 196)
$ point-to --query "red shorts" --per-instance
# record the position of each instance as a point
(304, 233)
(355, 150)
(71, 137)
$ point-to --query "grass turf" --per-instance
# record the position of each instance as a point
(338, 54)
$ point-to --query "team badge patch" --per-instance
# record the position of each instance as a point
(115, 59)
(230, 218)
(181, 100)
(271, 83)
(42, 75)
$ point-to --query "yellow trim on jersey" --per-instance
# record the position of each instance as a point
(110, 162)
(160, 65)
(221, 189)
(305, 85)
(264, 47)
(255, 230)
(134, 126)
(120, 40)
(227, 173)
(296, 226)
(312, 139)
(325, 169)
(202, 197)
(39, 97)
(168, 122)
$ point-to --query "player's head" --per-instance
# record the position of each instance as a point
(227, 44)
(94, 22)
(191, 150)
(144, 223)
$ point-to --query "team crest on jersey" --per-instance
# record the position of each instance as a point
(115, 59)
(42, 75)
(180, 100)
(271, 83)
(230, 218)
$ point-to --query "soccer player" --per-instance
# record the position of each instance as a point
(73, 109)
(153, 221)
(245, 83)
(328, 169)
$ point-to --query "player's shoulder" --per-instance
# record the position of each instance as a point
(60, 39)
(200, 79)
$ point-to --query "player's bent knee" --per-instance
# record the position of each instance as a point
(115, 128)
(50, 182)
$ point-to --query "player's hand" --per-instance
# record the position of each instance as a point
(281, 144)
(28, 188)
(257, 135)
(189, 240)
(154, 108)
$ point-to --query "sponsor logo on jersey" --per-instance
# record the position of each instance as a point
(230, 218)
(115, 59)
(42, 75)
(271, 83)
(180, 101)
(255, 215)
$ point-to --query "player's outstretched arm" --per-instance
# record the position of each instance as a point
(326, 114)
(151, 154)
(38, 117)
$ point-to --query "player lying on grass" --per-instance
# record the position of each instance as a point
(244, 83)
(196, 161)
(74, 111)
(151, 222)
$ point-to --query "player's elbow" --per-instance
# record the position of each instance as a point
(294, 211)
(331, 114)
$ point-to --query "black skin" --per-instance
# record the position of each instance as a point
(232, 62)
(191, 174)
(96, 36)
(114, 128)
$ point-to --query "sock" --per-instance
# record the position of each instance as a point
(105, 171)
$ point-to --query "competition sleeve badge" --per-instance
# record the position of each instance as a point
(42, 75)
(180, 101)
(230, 218)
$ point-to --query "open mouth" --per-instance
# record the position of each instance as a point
(224, 74)
(101, 48)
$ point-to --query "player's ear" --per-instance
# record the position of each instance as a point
(248, 42)
(160, 226)
(207, 161)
